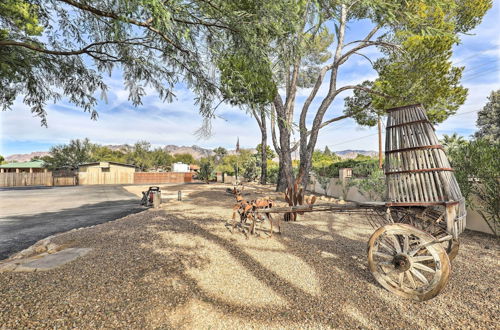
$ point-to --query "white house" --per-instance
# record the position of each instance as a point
(180, 167)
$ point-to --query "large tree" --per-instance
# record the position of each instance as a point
(53, 49)
(70, 155)
(415, 39)
(488, 119)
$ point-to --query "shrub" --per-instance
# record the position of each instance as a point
(477, 169)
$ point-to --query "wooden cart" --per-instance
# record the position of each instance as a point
(417, 227)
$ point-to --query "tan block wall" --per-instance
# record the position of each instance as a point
(474, 220)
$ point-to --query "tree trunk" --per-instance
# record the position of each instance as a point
(263, 144)
(285, 175)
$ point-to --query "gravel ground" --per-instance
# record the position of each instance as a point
(180, 267)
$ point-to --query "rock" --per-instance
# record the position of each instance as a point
(7, 267)
(40, 248)
(52, 248)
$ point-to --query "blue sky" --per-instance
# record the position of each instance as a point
(175, 123)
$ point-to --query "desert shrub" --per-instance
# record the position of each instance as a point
(373, 185)
(477, 169)
(206, 172)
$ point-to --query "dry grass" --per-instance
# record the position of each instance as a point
(180, 267)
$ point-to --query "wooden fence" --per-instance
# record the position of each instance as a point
(164, 177)
(36, 179)
(58, 179)
(94, 177)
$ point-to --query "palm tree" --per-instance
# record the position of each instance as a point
(453, 141)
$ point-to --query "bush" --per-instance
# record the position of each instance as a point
(206, 171)
(373, 185)
(477, 169)
(360, 168)
(272, 172)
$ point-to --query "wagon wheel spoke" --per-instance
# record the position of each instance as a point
(406, 243)
(410, 279)
(422, 258)
(396, 244)
(384, 255)
(401, 279)
(419, 275)
(386, 264)
(387, 247)
(423, 267)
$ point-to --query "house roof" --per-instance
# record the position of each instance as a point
(33, 164)
(115, 163)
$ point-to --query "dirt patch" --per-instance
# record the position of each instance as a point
(180, 267)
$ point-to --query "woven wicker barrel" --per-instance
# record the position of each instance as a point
(417, 170)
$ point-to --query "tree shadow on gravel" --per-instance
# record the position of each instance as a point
(326, 309)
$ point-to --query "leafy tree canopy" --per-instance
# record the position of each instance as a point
(488, 119)
(269, 152)
(70, 155)
(418, 68)
(53, 49)
(184, 158)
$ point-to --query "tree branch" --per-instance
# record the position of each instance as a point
(366, 89)
(146, 24)
(365, 44)
(85, 50)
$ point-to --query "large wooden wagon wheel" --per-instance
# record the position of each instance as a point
(430, 220)
(408, 262)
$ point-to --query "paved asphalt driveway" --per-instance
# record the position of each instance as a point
(29, 214)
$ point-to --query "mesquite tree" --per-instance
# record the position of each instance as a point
(415, 39)
(53, 49)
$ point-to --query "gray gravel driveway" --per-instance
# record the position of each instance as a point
(29, 214)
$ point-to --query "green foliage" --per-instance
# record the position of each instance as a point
(2, 159)
(246, 80)
(477, 169)
(102, 153)
(373, 185)
(324, 182)
(139, 156)
(321, 162)
(452, 142)
(220, 152)
(272, 171)
(155, 44)
(206, 172)
(270, 154)
(488, 119)
(244, 161)
(184, 158)
(83, 151)
(418, 68)
(360, 167)
(69, 156)
(160, 159)
(251, 169)
(21, 16)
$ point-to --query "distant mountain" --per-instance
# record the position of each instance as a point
(195, 151)
(349, 154)
(25, 157)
